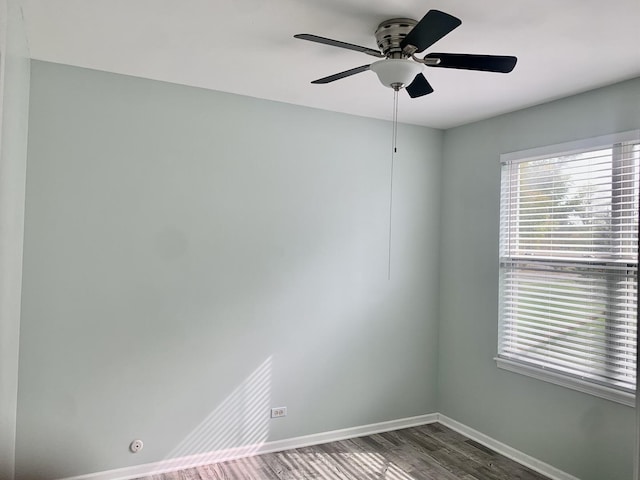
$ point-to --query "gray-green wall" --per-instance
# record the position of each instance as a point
(14, 106)
(590, 438)
(193, 258)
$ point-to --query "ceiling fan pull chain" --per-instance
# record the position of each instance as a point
(394, 149)
(395, 120)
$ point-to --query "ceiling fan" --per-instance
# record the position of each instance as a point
(399, 39)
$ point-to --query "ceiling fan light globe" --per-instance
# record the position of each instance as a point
(394, 72)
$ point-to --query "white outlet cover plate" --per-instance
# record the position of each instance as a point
(278, 412)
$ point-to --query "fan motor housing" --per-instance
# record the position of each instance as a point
(390, 33)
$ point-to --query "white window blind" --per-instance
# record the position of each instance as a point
(568, 264)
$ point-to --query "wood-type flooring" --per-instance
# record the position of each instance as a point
(428, 452)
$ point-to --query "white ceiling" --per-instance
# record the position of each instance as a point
(247, 47)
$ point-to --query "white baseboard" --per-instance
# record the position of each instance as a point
(325, 437)
(528, 461)
(191, 461)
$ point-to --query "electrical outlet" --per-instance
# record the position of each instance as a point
(278, 412)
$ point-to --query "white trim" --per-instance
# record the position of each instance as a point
(569, 148)
(583, 386)
(223, 455)
(258, 449)
(528, 461)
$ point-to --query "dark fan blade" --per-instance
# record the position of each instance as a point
(419, 87)
(336, 43)
(486, 63)
(338, 76)
(433, 26)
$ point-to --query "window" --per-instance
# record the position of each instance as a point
(569, 262)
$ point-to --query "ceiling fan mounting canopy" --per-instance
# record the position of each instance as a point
(399, 39)
(391, 33)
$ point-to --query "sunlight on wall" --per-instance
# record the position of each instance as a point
(227, 440)
(236, 428)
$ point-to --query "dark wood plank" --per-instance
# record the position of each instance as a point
(343, 454)
(412, 465)
(325, 464)
(492, 464)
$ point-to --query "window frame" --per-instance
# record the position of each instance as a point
(539, 372)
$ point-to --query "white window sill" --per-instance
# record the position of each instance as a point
(569, 382)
